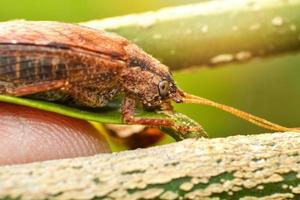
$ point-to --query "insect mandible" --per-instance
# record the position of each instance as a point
(60, 60)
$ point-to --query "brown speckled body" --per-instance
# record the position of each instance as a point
(53, 60)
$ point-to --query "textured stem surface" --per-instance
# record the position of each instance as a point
(265, 165)
(212, 32)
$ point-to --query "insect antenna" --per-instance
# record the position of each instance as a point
(189, 98)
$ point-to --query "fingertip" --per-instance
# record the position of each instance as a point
(29, 135)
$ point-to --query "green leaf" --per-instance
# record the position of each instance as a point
(111, 114)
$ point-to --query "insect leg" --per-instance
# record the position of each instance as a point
(34, 88)
(88, 96)
(128, 109)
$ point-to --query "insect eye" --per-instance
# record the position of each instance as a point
(163, 88)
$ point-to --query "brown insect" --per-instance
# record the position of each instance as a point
(59, 60)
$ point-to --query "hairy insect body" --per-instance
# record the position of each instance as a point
(58, 61)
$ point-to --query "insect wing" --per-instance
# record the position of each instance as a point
(62, 35)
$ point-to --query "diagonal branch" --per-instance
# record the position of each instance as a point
(212, 32)
(265, 165)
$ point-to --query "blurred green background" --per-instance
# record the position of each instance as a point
(268, 88)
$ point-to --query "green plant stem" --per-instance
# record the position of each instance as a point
(254, 167)
(213, 32)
